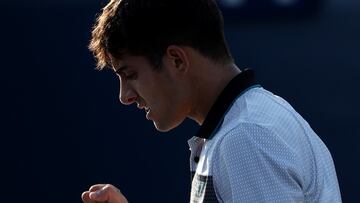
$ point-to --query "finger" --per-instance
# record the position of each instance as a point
(100, 192)
(108, 193)
(96, 187)
(86, 198)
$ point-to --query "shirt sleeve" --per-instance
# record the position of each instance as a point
(253, 164)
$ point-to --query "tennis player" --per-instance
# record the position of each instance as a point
(172, 60)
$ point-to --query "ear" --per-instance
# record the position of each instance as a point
(178, 58)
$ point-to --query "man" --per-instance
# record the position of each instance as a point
(173, 62)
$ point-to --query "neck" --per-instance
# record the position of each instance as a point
(209, 83)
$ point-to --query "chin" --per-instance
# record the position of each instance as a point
(166, 127)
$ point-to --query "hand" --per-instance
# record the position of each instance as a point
(103, 193)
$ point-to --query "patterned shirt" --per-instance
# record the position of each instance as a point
(254, 147)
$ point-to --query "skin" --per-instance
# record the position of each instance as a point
(186, 87)
(103, 193)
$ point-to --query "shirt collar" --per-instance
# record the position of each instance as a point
(239, 84)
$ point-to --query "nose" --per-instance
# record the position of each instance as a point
(127, 94)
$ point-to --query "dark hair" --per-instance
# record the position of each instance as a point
(148, 27)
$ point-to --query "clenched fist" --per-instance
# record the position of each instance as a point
(103, 193)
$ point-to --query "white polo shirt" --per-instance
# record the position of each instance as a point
(254, 147)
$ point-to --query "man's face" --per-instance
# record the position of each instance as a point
(160, 93)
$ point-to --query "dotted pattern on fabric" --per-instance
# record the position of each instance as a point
(265, 152)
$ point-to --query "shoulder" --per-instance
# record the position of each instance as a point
(251, 141)
(245, 135)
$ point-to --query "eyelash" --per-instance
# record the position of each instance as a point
(131, 76)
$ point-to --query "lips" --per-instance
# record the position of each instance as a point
(147, 109)
(148, 113)
(141, 105)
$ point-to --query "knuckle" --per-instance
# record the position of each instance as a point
(96, 187)
(111, 188)
(92, 188)
(85, 196)
(108, 187)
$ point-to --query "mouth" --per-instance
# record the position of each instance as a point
(144, 107)
(147, 109)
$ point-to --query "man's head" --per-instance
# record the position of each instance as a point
(147, 27)
(157, 47)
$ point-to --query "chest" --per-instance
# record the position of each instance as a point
(201, 164)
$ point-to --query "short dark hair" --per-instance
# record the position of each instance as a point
(148, 27)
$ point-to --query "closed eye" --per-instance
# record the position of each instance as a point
(131, 76)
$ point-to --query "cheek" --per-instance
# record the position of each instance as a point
(177, 109)
(143, 91)
(168, 120)
(169, 110)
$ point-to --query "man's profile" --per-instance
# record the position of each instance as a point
(173, 62)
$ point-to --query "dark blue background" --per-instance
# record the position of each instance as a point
(63, 128)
